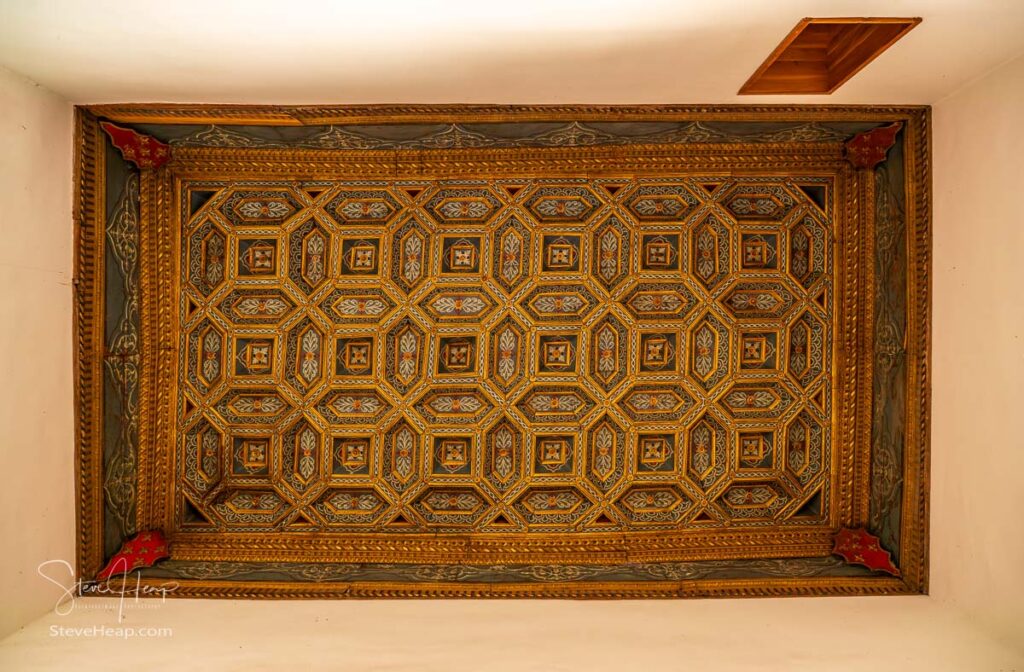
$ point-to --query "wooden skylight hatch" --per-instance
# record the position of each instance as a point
(820, 55)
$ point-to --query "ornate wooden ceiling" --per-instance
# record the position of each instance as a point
(515, 351)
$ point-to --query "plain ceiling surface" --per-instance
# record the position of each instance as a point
(477, 51)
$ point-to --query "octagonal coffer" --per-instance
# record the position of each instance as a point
(660, 201)
(558, 203)
(506, 364)
(510, 265)
(363, 206)
(804, 448)
(808, 251)
(410, 255)
(806, 348)
(253, 406)
(457, 204)
(309, 260)
(555, 403)
(751, 201)
(353, 406)
(552, 506)
(659, 301)
(751, 299)
(611, 247)
(260, 507)
(302, 456)
(458, 304)
(660, 503)
(401, 456)
(745, 400)
(348, 305)
(464, 405)
(207, 356)
(708, 363)
(710, 242)
(503, 454)
(753, 499)
(605, 459)
(207, 251)
(405, 356)
(260, 207)
(304, 356)
(451, 506)
(559, 303)
(609, 352)
(655, 402)
(204, 452)
(257, 306)
(359, 506)
(706, 452)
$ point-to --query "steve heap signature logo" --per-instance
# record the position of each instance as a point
(61, 574)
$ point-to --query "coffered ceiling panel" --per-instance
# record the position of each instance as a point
(505, 351)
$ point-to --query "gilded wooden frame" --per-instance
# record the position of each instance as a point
(160, 187)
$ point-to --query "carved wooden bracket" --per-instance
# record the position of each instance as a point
(860, 547)
(142, 550)
(868, 149)
(142, 150)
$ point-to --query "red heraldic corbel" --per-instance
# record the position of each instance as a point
(860, 547)
(142, 150)
(142, 550)
(868, 149)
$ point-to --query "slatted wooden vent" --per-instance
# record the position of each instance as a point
(820, 55)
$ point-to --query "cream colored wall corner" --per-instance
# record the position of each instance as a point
(977, 543)
(36, 417)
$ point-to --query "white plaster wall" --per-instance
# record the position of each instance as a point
(870, 634)
(36, 439)
(978, 357)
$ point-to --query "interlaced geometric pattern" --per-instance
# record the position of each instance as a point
(516, 356)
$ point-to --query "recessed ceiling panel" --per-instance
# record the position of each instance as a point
(820, 55)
